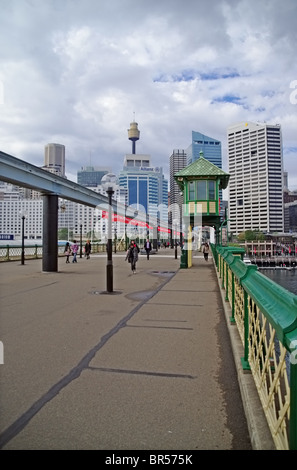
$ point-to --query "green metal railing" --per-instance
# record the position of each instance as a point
(266, 318)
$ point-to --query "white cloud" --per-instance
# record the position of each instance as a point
(74, 72)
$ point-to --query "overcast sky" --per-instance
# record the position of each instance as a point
(74, 72)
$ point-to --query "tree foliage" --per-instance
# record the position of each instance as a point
(251, 235)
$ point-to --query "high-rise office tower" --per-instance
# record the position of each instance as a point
(211, 148)
(90, 176)
(54, 159)
(177, 161)
(256, 178)
(147, 189)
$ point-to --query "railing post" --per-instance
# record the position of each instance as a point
(293, 405)
(245, 359)
(227, 275)
(232, 318)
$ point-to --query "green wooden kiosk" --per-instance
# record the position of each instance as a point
(200, 183)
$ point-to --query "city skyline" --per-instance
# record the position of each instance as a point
(78, 74)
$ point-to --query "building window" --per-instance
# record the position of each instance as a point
(211, 190)
(201, 190)
(191, 191)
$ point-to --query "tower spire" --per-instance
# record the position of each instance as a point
(133, 134)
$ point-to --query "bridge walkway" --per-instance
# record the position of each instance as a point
(148, 367)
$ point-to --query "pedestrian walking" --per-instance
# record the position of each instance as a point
(67, 252)
(206, 251)
(74, 251)
(88, 249)
(148, 248)
(132, 255)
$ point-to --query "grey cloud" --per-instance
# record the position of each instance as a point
(74, 72)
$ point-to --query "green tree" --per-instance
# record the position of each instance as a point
(250, 235)
(63, 233)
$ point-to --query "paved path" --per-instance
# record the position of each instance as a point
(149, 367)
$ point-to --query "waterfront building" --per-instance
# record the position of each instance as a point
(12, 210)
(290, 216)
(256, 178)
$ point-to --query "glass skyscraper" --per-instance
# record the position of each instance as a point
(211, 148)
(147, 189)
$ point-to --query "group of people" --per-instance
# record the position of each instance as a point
(131, 255)
(73, 250)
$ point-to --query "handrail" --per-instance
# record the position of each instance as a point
(267, 312)
(278, 304)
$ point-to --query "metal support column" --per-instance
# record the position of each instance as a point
(50, 234)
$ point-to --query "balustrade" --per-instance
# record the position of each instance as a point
(266, 317)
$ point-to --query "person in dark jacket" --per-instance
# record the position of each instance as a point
(132, 255)
(148, 248)
(67, 252)
(88, 248)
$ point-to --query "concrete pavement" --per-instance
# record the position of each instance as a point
(148, 367)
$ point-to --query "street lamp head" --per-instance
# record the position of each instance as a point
(109, 182)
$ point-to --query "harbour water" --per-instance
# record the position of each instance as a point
(286, 278)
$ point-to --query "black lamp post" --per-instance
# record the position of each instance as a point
(23, 240)
(126, 247)
(115, 240)
(108, 182)
(175, 238)
(80, 234)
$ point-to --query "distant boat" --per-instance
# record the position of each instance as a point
(247, 261)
